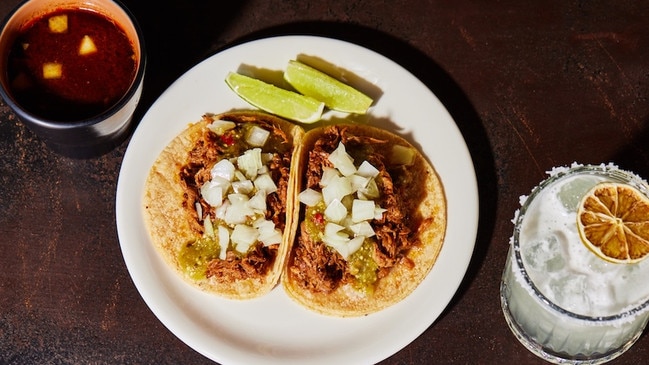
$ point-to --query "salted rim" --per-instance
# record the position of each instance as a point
(556, 174)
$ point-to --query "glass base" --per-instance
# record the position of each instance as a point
(549, 355)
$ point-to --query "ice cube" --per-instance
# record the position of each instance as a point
(568, 291)
(544, 255)
(571, 192)
(629, 285)
(532, 254)
(555, 264)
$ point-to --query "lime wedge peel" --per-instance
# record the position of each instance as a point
(275, 100)
(315, 91)
(335, 94)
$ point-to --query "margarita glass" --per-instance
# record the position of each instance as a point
(563, 302)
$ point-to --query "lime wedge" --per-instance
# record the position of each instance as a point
(275, 100)
(335, 94)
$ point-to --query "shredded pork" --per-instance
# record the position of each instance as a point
(320, 269)
(207, 151)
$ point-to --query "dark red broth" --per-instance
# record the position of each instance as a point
(88, 84)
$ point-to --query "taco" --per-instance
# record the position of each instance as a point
(372, 220)
(218, 203)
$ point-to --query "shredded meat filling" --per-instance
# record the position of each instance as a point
(207, 151)
(238, 267)
(321, 269)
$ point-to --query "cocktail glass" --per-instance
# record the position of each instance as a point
(561, 301)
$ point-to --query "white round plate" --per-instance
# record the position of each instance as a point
(273, 329)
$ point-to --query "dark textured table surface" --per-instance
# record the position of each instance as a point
(531, 85)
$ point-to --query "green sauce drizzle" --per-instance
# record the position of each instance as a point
(363, 267)
(195, 256)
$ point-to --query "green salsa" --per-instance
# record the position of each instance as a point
(363, 267)
(195, 256)
(315, 221)
(233, 142)
(361, 263)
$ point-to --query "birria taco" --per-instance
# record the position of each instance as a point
(351, 217)
(372, 221)
(219, 201)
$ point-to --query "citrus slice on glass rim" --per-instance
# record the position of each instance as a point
(613, 222)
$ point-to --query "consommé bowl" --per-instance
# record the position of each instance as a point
(72, 71)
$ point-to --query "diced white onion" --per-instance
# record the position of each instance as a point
(362, 210)
(328, 173)
(223, 169)
(263, 170)
(335, 211)
(378, 212)
(334, 230)
(239, 176)
(209, 228)
(263, 224)
(338, 240)
(238, 191)
(222, 182)
(354, 244)
(310, 197)
(221, 126)
(349, 195)
(363, 228)
(224, 241)
(268, 234)
(237, 214)
(266, 183)
(257, 136)
(242, 187)
(243, 236)
(213, 193)
(199, 210)
(239, 211)
(258, 201)
(371, 191)
(250, 162)
(219, 212)
(237, 199)
(366, 169)
(272, 238)
(337, 189)
(338, 245)
(347, 221)
(342, 160)
(358, 182)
